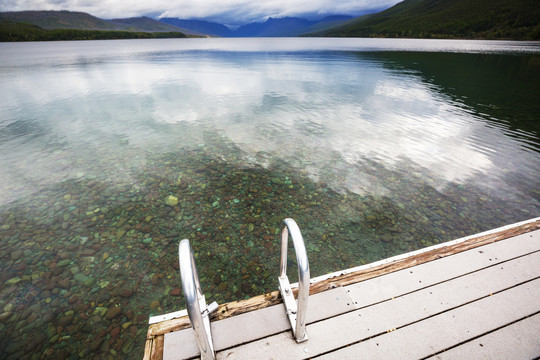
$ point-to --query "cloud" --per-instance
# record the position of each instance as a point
(234, 12)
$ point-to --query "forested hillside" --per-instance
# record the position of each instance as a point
(67, 25)
(471, 19)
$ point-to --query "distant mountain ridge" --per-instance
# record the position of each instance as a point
(67, 25)
(60, 20)
(49, 20)
(199, 26)
(146, 24)
(273, 27)
(287, 26)
(473, 19)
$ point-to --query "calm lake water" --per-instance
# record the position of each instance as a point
(375, 147)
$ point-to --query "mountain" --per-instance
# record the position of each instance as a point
(60, 20)
(199, 26)
(48, 20)
(473, 19)
(327, 23)
(273, 27)
(67, 25)
(145, 24)
(287, 26)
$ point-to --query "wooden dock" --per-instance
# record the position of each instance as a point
(473, 298)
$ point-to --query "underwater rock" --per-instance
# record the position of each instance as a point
(115, 331)
(147, 240)
(175, 292)
(63, 262)
(128, 346)
(81, 278)
(13, 281)
(16, 255)
(154, 304)
(48, 316)
(113, 312)
(94, 345)
(65, 321)
(5, 316)
(223, 286)
(171, 200)
(125, 292)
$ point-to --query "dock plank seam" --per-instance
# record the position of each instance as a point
(479, 336)
(499, 263)
(434, 315)
(434, 305)
(442, 282)
(411, 292)
(433, 334)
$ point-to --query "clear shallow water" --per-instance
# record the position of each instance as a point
(375, 147)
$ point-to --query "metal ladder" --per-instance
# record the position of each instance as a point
(199, 312)
(296, 314)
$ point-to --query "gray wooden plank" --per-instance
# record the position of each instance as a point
(403, 281)
(251, 326)
(356, 325)
(180, 345)
(454, 327)
(255, 325)
(520, 340)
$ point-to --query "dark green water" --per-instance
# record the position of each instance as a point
(373, 150)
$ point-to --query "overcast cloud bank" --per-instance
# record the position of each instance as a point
(230, 12)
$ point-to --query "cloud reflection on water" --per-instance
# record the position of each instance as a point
(323, 114)
(313, 110)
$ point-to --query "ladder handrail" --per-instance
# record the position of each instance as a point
(195, 302)
(296, 313)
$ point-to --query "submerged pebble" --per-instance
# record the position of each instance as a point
(171, 200)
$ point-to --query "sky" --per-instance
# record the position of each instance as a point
(232, 12)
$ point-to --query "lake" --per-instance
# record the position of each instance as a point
(375, 147)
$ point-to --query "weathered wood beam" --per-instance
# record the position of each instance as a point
(422, 258)
(157, 348)
(148, 349)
